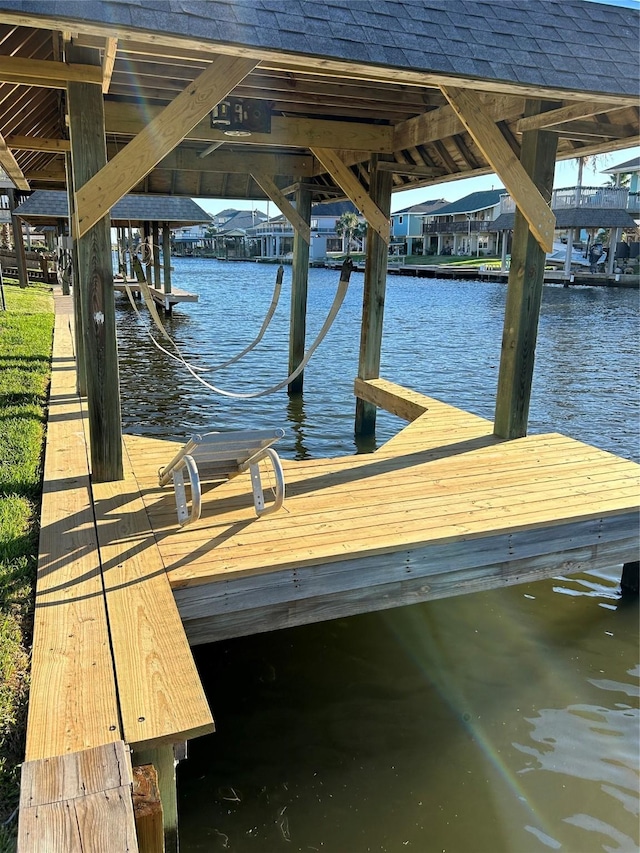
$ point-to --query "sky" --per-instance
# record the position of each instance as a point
(566, 175)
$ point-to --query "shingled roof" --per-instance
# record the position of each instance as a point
(472, 202)
(47, 206)
(576, 45)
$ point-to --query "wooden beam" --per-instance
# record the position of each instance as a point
(590, 129)
(46, 73)
(268, 185)
(10, 166)
(238, 162)
(375, 284)
(411, 169)
(159, 137)
(299, 289)
(354, 190)
(129, 119)
(95, 279)
(524, 294)
(108, 61)
(562, 114)
(55, 176)
(33, 143)
(444, 122)
(505, 164)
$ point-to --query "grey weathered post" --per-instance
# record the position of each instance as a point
(155, 239)
(18, 241)
(375, 283)
(95, 280)
(299, 287)
(524, 293)
(166, 256)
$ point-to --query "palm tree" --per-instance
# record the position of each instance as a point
(349, 226)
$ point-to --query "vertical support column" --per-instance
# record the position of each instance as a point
(155, 239)
(299, 287)
(375, 283)
(81, 377)
(630, 581)
(164, 761)
(95, 277)
(524, 293)
(166, 256)
(18, 241)
(132, 271)
(503, 254)
(148, 265)
(569, 253)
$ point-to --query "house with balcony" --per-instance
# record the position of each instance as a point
(274, 238)
(407, 227)
(584, 215)
(466, 226)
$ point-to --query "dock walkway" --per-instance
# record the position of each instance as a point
(442, 509)
(111, 667)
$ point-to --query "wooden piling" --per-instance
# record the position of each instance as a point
(375, 283)
(18, 242)
(299, 288)
(95, 276)
(630, 582)
(524, 293)
(164, 762)
(166, 256)
(155, 243)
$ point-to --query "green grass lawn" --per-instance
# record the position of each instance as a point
(26, 328)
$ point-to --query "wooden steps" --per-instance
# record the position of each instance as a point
(78, 803)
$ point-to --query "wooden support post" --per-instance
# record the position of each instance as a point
(148, 264)
(166, 256)
(630, 581)
(132, 271)
(147, 809)
(299, 286)
(81, 376)
(375, 282)
(164, 761)
(155, 241)
(524, 293)
(95, 278)
(18, 241)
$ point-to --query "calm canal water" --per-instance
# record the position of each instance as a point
(501, 722)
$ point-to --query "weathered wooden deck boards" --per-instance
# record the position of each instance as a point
(443, 508)
(78, 803)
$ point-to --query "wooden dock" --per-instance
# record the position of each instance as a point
(112, 671)
(165, 300)
(442, 509)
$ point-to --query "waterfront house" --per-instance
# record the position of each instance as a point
(407, 226)
(465, 227)
(274, 237)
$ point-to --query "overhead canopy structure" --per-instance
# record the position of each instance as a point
(386, 78)
(320, 101)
